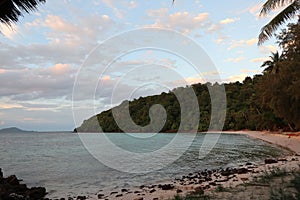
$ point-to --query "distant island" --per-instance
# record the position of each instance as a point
(14, 130)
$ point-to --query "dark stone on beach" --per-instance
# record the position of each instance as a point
(212, 183)
(242, 170)
(155, 198)
(1, 174)
(166, 187)
(139, 198)
(62, 198)
(153, 190)
(142, 186)
(124, 190)
(207, 179)
(36, 192)
(113, 193)
(12, 180)
(81, 197)
(119, 195)
(100, 196)
(270, 161)
(14, 196)
(137, 192)
(11, 189)
(178, 190)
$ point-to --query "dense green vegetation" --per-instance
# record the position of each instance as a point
(265, 102)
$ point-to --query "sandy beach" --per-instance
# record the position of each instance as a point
(210, 180)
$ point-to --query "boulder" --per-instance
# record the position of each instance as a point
(270, 161)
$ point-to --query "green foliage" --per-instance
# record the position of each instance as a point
(267, 176)
(280, 91)
(265, 102)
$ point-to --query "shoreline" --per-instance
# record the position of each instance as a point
(209, 181)
(286, 140)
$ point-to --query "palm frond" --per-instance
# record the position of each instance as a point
(273, 4)
(11, 10)
(268, 30)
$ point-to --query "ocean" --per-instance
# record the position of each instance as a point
(61, 163)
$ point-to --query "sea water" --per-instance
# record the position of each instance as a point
(61, 163)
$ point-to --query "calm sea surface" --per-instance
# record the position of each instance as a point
(60, 162)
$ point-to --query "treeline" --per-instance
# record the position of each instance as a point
(270, 101)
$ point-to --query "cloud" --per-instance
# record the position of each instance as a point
(250, 71)
(60, 69)
(267, 49)
(9, 31)
(235, 60)
(58, 24)
(242, 43)
(184, 22)
(258, 60)
(116, 6)
(255, 9)
(239, 78)
(9, 105)
(228, 21)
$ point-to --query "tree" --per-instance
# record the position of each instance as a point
(272, 65)
(11, 10)
(281, 91)
(292, 10)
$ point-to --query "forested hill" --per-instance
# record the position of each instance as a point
(267, 102)
(244, 111)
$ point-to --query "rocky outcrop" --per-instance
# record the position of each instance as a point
(12, 189)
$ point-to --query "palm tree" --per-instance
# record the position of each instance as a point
(272, 65)
(292, 9)
(11, 10)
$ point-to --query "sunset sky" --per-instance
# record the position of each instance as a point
(42, 53)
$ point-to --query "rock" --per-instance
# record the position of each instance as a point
(62, 199)
(139, 198)
(155, 198)
(124, 190)
(36, 193)
(137, 192)
(1, 174)
(166, 186)
(12, 180)
(178, 190)
(119, 195)
(14, 196)
(81, 197)
(153, 190)
(213, 183)
(142, 186)
(242, 170)
(270, 161)
(100, 196)
(113, 193)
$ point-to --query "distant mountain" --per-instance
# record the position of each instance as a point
(13, 130)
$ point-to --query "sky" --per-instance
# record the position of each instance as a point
(57, 61)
